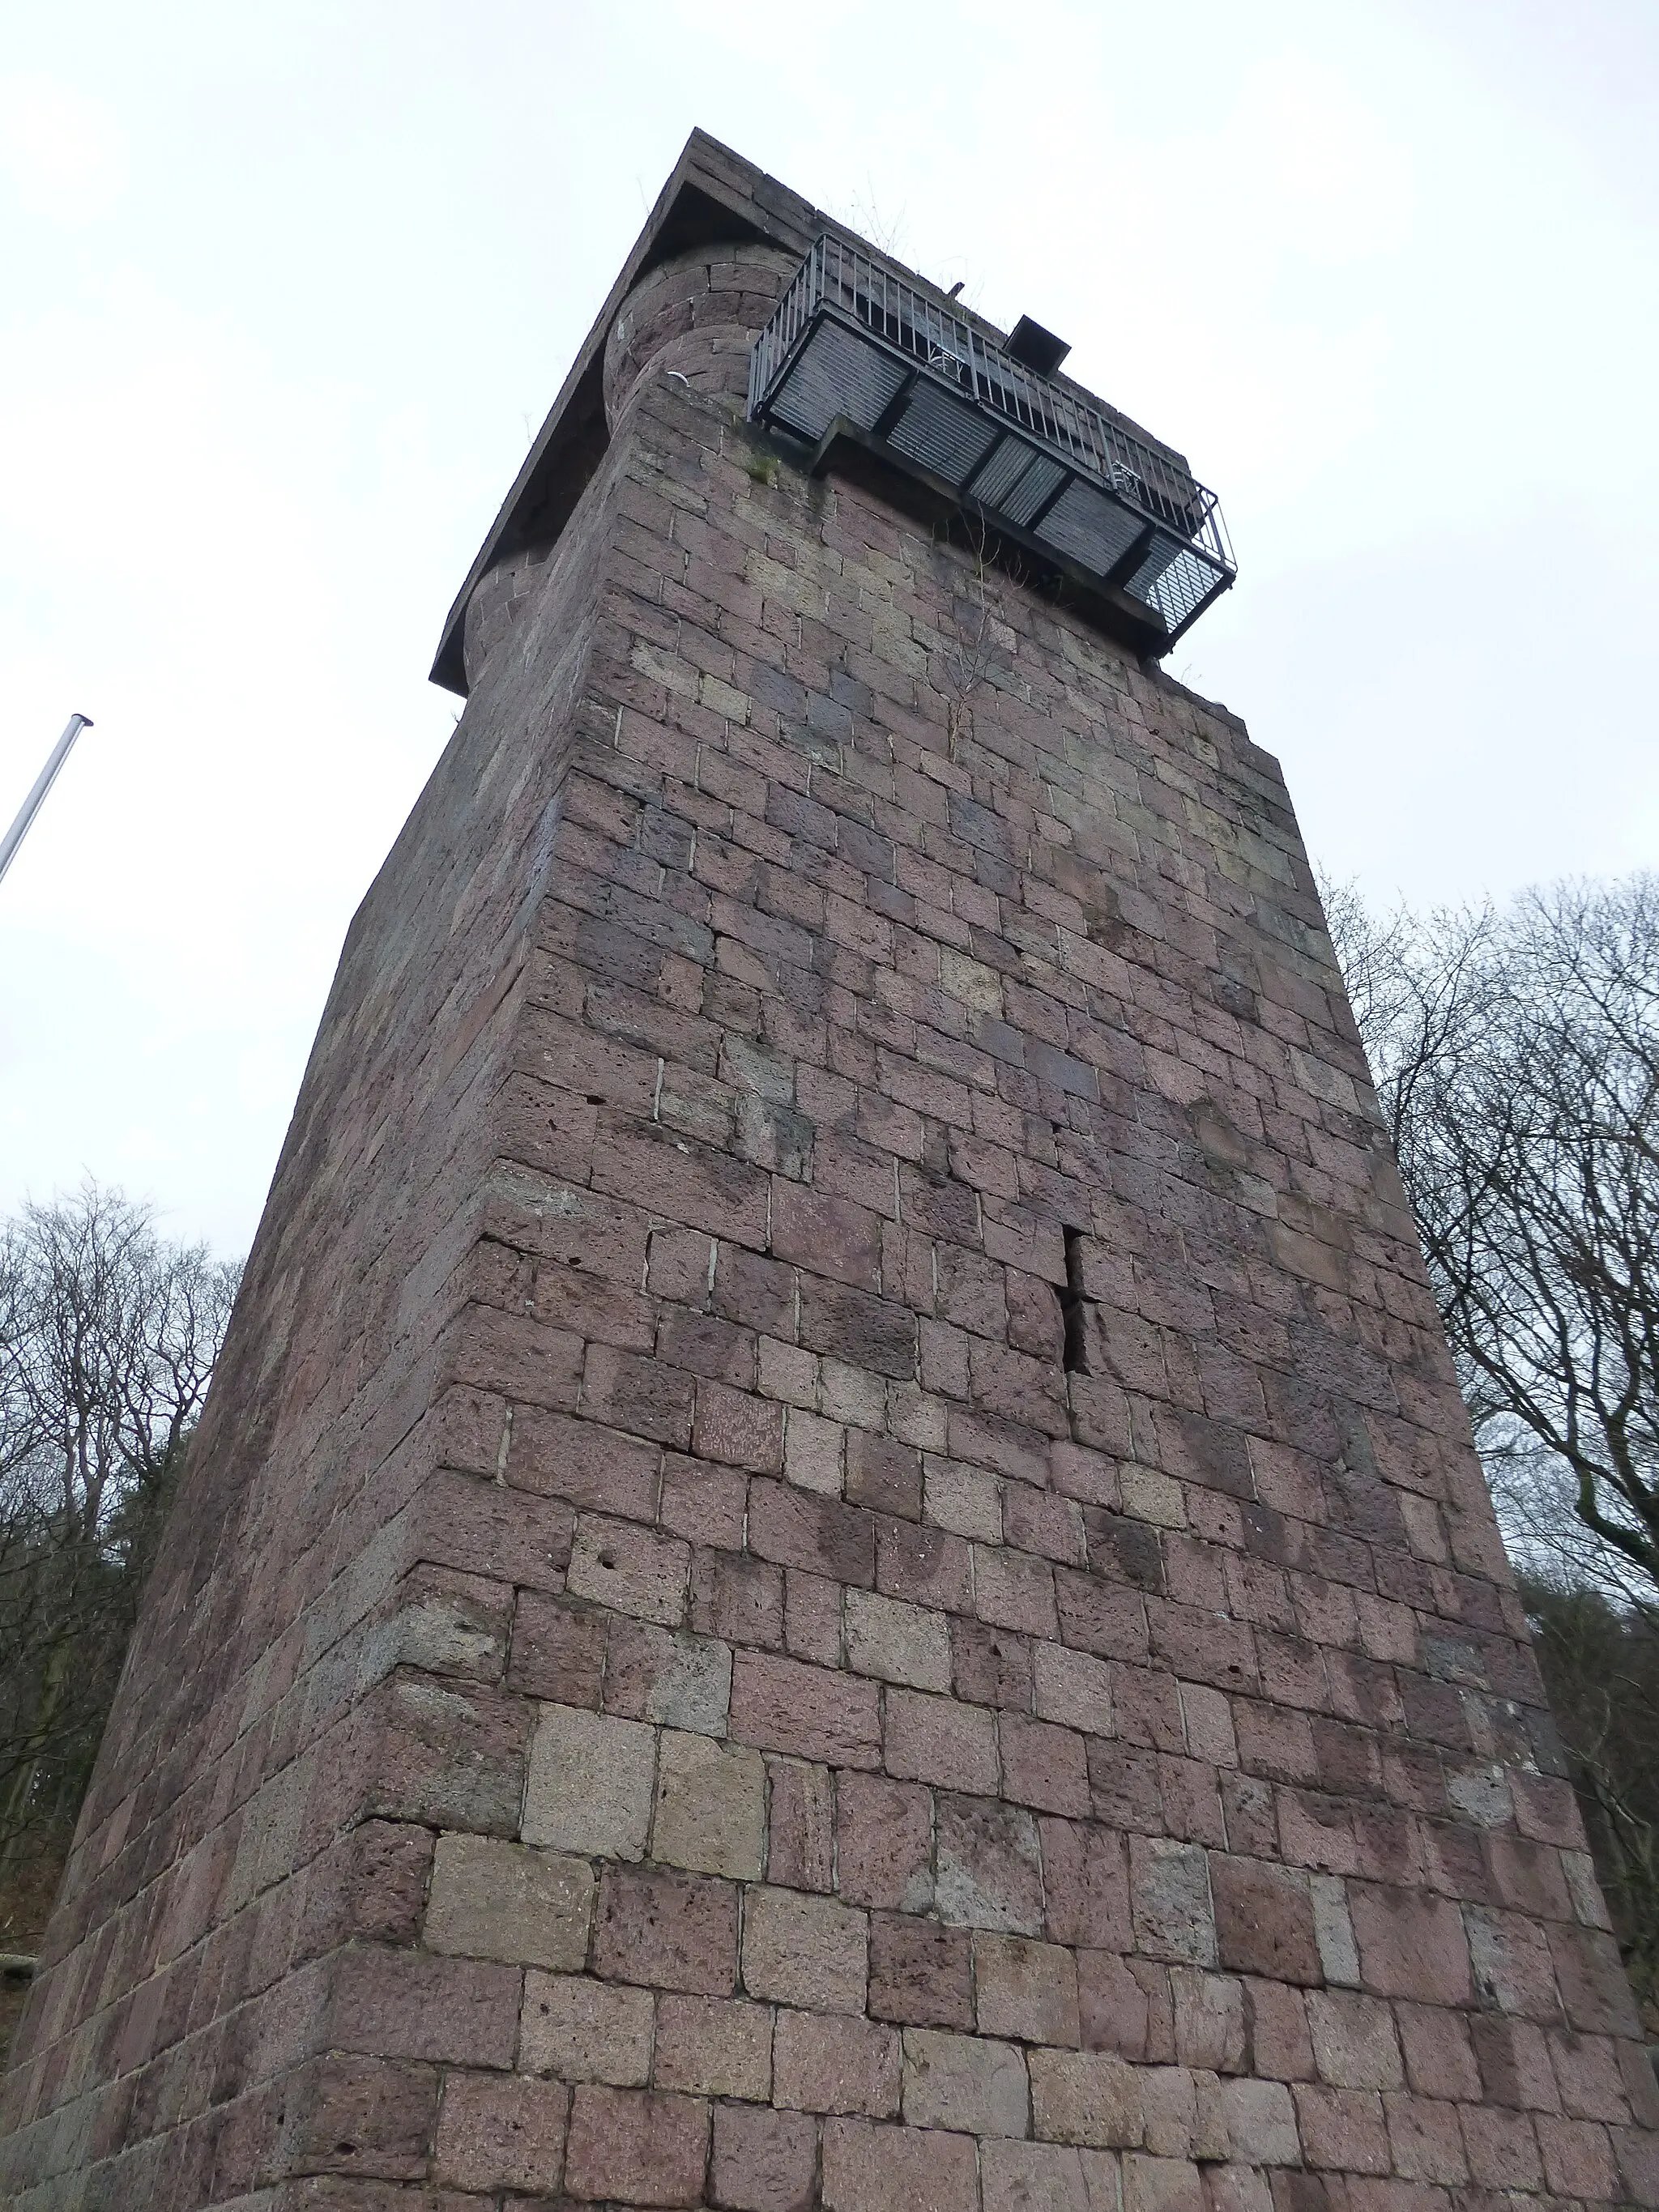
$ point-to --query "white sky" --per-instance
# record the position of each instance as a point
(283, 292)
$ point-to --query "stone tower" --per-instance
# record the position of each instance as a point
(833, 1559)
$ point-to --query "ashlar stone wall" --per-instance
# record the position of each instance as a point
(836, 1562)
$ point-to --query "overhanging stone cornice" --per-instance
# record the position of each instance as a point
(713, 197)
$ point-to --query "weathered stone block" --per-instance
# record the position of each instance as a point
(410, 2004)
(1161, 2184)
(1037, 2177)
(1355, 2046)
(491, 1899)
(1025, 1989)
(884, 1842)
(828, 2062)
(1410, 1946)
(1264, 1920)
(636, 2146)
(1260, 2122)
(665, 1931)
(713, 2048)
(919, 1974)
(870, 2169)
(1209, 2019)
(1170, 1900)
(806, 1951)
(966, 2081)
(988, 1866)
(586, 2031)
(591, 1783)
(615, 1563)
(683, 1681)
(813, 1713)
(763, 2161)
(502, 2132)
(938, 1739)
(1086, 2097)
(800, 1852)
(898, 1643)
(711, 1807)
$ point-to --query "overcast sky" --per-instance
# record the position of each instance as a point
(287, 290)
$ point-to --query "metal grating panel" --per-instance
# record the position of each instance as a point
(1001, 471)
(836, 373)
(1174, 581)
(1092, 528)
(1143, 585)
(944, 435)
(1016, 479)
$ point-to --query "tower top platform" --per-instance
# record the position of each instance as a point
(716, 197)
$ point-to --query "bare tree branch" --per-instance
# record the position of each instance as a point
(1517, 1060)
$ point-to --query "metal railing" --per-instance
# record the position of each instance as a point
(843, 277)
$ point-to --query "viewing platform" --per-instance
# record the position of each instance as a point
(858, 353)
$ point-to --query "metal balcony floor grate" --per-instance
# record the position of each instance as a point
(855, 343)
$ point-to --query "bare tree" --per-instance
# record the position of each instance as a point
(108, 1338)
(1517, 1059)
(1517, 1063)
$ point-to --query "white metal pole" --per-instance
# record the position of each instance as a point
(43, 783)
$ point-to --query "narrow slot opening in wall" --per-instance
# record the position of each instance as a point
(1076, 1353)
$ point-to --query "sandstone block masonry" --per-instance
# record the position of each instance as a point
(835, 1562)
